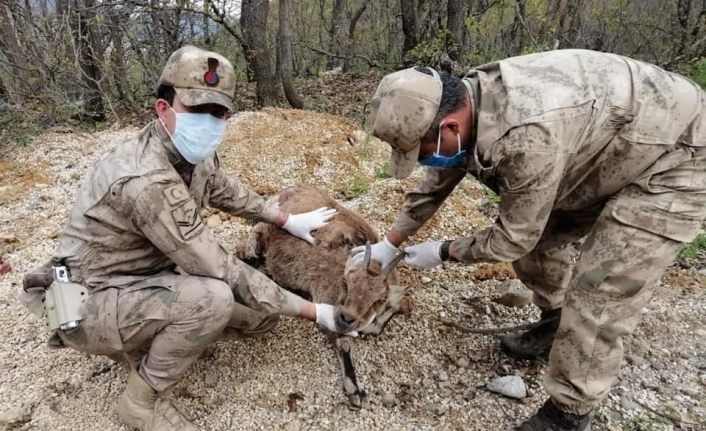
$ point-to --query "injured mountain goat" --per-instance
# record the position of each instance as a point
(365, 296)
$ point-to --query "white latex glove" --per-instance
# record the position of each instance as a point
(325, 316)
(301, 225)
(424, 255)
(382, 251)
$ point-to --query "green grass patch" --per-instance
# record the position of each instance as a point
(355, 189)
(383, 171)
(694, 250)
(642, 422)
(493, 197)
(364, 150)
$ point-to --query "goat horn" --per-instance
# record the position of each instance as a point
(393, 263)
(368, 253)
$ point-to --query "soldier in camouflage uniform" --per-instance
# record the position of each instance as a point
(578, 144)
(162, 287)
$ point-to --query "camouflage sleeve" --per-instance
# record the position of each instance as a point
(167, 215)
(528, 183)
(427, 196)
(230, 195)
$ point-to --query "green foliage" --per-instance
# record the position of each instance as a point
(383, 171)
(641, 422)
(16, 129)
(695, 250)
(25, 139)
(364, 150)
(355, 189)
(698, 72)
(428, 52)
(493, 197)
(533, 49)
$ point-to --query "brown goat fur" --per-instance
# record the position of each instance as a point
(323, 271)
(365, 296)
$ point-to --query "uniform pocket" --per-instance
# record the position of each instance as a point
(674, 226)
(566, 127)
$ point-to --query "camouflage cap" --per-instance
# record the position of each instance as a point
(199, 77)
(401, 112)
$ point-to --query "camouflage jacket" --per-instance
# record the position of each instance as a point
(560, 130)
(137, 214)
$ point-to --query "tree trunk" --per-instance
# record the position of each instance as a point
(334, 30)
(284, 55)
(454, 23)
(83, 29)
(117, 56)
(568, 19)
(11, 51)
(410, 25)
(253, 21)
(348, 45)
(206, 23)
(517, 29)
(684, 8)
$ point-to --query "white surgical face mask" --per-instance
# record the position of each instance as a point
(196, 136)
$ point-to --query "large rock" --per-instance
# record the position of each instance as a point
(510, 386)
(13, 416)
(513, 294)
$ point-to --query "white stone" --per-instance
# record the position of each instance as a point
(510, 386)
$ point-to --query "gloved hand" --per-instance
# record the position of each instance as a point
(301, 225)
(325, 316)
(382, 251)
(424, 255)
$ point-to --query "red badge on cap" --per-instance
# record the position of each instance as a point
(211, 77)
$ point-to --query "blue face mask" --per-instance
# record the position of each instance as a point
(436, 160)
(196, 136)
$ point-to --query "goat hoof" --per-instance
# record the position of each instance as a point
(357, 400)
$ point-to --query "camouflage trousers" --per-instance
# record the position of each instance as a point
(160, 324)
(629, 242)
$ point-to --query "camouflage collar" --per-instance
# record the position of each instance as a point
(473, 89)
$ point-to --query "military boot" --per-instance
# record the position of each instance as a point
(551, 418)
(533, 342)
(141, 407)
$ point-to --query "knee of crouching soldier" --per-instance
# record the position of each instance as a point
(218, 301)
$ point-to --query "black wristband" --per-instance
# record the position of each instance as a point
(444, 251)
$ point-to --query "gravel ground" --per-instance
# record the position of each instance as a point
(429, 376)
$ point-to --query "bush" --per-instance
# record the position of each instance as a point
(698, 72)
(696, 250)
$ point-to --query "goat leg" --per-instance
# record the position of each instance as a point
(378, 325)
(356, 396)
(391, 308)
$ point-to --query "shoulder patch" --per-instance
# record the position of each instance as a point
(176, 194)
(187, 219)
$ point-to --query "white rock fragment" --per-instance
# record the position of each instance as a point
(510, 386)
(214, 220)
(513, 294)
(389, 400)
(13, 416)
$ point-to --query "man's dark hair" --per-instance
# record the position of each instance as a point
(166, 92)
(453, 98)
